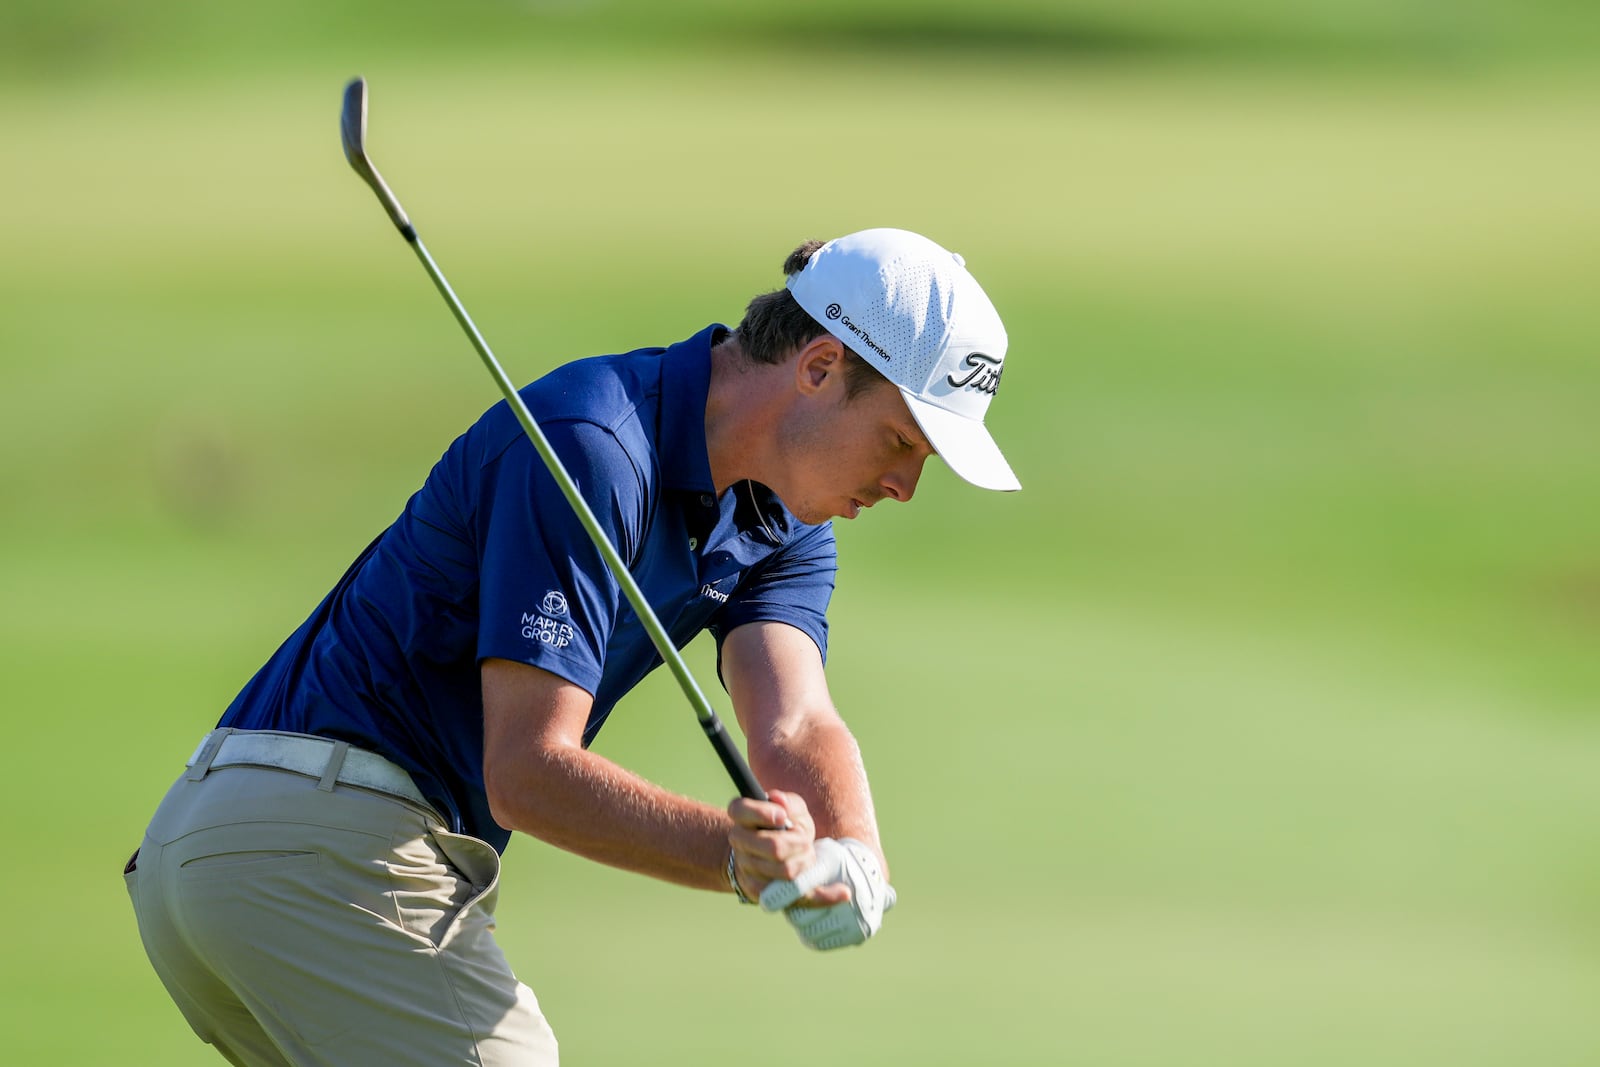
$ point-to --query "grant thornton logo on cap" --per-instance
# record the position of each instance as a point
(912, 310)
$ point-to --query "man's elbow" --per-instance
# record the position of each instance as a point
(804, 727)
(512, 786)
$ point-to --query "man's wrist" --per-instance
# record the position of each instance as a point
(733, 881)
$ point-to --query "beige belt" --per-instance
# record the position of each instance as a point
(326, 760)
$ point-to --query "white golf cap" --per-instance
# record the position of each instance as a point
(912, 310)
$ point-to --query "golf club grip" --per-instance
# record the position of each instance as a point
(737, 768)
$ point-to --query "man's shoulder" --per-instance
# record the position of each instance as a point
(592, 411)
(607, 391)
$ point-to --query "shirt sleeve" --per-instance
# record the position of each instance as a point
(546, 596)
(794, 585)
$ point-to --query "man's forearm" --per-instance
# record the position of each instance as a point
(817, 757)
(584, 803)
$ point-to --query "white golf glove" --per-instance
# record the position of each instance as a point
(844, 860)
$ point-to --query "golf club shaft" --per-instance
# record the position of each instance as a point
(353, 125)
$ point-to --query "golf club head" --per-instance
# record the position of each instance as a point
(353, 133)
(353, 125)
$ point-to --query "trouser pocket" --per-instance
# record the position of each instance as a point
(438, 878)
(479, 864)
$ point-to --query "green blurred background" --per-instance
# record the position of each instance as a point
(1260, 729)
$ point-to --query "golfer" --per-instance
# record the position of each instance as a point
(318, 885)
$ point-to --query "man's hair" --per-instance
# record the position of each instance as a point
(775, 325)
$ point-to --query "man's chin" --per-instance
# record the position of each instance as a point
(814, 514)
(818, 516)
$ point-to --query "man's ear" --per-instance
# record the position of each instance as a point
(819, 360)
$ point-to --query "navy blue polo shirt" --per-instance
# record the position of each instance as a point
(488, 560)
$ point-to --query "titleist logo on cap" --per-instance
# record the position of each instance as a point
(983, 373)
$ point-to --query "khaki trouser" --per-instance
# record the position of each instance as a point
(298, 925)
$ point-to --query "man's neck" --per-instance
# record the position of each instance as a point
(742, 403)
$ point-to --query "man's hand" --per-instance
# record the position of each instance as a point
(773, 842)
(843, 864)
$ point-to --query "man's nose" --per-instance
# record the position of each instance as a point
(900, 483)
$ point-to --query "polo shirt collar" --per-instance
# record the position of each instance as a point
(685, 383)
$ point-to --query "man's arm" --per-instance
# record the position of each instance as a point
(798, 744)
(542, 781)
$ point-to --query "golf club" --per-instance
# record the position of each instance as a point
(353, 131)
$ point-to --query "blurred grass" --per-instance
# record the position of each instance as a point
(56, 39)
(1258, 729)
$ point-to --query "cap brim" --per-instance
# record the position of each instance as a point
(964, 445)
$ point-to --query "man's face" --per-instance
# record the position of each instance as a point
(847, 453)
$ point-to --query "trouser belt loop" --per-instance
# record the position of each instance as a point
(207, 752)
(330, 773)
